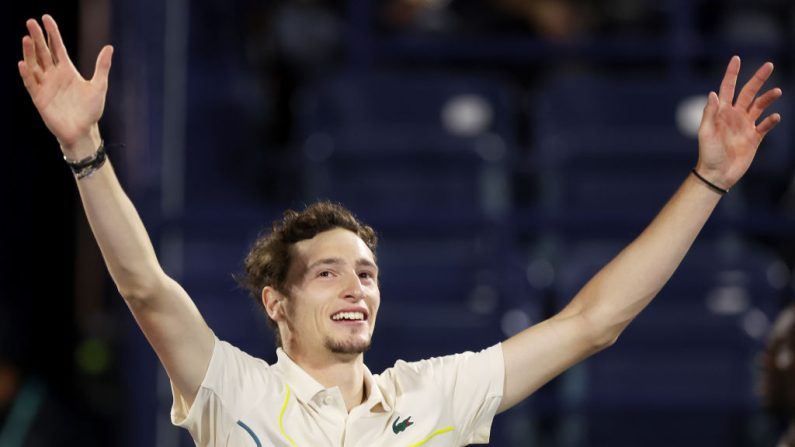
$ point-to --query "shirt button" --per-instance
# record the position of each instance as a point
(328, 400)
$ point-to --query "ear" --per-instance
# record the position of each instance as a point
(273, 301)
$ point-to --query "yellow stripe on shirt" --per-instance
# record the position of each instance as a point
(437, 432)
(281, 416)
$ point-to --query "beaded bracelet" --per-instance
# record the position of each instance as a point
(87, 166)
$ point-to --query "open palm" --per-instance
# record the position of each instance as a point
(70, 105)
(729, 135)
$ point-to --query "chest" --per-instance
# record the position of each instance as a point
(413, 421)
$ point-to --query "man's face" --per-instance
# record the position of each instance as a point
(333, 294)
(778, 365)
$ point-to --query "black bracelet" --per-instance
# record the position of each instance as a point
(87, 166)
(711, 185)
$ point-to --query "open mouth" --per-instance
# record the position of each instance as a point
(351, 316)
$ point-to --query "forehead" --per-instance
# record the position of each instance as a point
(334, 243)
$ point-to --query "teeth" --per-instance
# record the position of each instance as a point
(355, 316)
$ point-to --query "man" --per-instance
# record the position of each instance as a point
(324, 301)
(778, 372)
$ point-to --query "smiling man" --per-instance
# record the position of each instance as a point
(317, 278)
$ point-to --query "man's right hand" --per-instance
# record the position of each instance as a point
(69, 105)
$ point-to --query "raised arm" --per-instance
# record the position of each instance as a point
(593, 320)
(71, 108)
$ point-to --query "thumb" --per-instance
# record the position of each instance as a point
(103, 65)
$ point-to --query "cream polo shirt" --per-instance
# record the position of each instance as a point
(442, 401)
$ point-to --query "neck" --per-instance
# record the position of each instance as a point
(345, 371)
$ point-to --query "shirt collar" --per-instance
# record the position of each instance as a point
(306, 387)
(375, 399)
(302, 384)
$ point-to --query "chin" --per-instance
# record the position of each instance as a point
(348, 346)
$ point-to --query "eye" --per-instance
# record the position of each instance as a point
(366, 275)
(324, 274)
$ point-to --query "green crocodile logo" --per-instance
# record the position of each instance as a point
(398, 426)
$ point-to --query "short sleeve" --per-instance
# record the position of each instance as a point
(475, 383)
(225, 394)
(470, 384)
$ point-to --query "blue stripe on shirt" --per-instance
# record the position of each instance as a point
(250, 432)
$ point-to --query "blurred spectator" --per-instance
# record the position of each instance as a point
(430, 16)
(553, 20)
(290, 43)
(761, 22)
(307, 34)
(550, 19)
(30, 414)
(778, 373)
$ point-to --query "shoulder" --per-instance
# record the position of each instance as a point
(229, 359)
(237, 377)
(227, 351)
(443, 368)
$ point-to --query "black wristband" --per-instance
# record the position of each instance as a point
(711, 185)
(85, 167)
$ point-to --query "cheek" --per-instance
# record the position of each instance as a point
(295, 309)
(375, 302)
(288, 314)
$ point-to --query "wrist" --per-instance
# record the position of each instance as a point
(714, 176)
(87, 166)
(84, 146)
(708, 183)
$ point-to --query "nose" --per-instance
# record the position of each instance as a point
(353, 287)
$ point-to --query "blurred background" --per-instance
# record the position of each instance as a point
(503, 149)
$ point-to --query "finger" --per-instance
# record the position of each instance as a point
(751, 88)
(29, 56)
(768, 124)
(27, 78)
(763, 102)
(56, 43)
(730, 80)
(29, 52)
(43, 55)
(710, 109)
(102, 67)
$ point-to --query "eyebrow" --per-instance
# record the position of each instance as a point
(337, 261)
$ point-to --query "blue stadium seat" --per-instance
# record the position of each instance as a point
(613, 146)
(387, 145)
(692, 352)
(214, 243)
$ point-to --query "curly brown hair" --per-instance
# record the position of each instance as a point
(270, 257)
